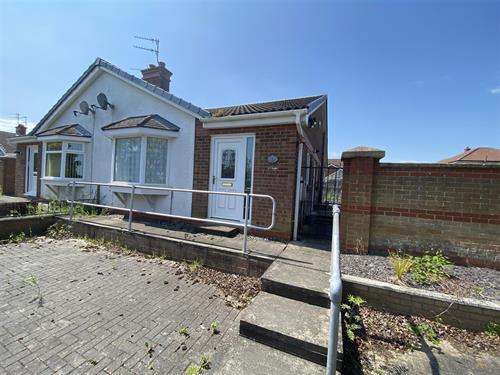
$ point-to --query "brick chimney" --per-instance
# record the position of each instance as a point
(157, 75)
(20, 130)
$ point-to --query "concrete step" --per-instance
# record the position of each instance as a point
(217, 230)
(291, 326)
(298, 282)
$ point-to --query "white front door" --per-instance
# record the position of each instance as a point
(31, 170)
(228, 174)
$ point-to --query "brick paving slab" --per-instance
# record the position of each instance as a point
(99, 309)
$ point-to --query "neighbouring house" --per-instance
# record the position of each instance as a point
(8, 161)
(477, 155)
(111, 126)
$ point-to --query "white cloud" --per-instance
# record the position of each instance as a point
(495, 90)
(9, 125)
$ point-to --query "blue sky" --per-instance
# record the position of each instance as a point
(419, 79)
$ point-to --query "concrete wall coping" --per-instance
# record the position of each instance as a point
(363, 152)
(442, 165)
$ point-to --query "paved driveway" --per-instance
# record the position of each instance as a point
(100, 309)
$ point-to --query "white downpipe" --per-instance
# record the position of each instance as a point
(335, 295)
(297, 192)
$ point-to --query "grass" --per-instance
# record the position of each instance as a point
(493, 329)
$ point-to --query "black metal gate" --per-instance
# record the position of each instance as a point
(321, 188)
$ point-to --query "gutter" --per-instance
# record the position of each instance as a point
(22, 139)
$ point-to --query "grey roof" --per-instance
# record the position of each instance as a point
(273, 106)
(153, 121)
(73, 130)
(5, 146)
(150, 87)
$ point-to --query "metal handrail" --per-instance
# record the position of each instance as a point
(335, 295)
(247, 196)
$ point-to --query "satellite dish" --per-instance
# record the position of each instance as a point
(84, 107)
(103, 101)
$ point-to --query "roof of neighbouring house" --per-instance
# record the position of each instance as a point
(335, 163)
(153, 121)
(273, 106)
(5, 146)
(73, 130)
(478, 154)
(150, 87)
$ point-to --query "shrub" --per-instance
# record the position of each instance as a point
(401, 264)
(430, 269)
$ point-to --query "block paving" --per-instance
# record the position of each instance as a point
(99, 309)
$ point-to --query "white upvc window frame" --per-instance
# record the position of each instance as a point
(63, 152)
(142, 161)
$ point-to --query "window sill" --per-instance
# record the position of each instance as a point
(127, 189)
(55, 181)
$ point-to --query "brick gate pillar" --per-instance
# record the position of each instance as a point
(358, 174)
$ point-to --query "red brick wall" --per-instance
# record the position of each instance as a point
(7, 175)
(419, 207)
(276, 180)
(21, 168)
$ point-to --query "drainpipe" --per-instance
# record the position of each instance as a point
(299, 172)
(297, 191)
(335, 295)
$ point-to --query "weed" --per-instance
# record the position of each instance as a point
(426, 330)
(149, 349)
(184, 330)
(34, 281)
(352, 318)
(430, 269)
(59, 231)
(493, 329)
(14, 213)
(194, 369)
(214, 328)
(205, 362)
(16, 238)
(195, 265)
(401, 265)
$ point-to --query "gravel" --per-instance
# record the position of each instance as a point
(472, 282)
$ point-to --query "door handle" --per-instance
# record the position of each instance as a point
(213, 180)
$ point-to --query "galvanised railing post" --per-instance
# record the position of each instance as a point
(131, 208)
(245, 227)
(171, 201)
(72, 201)
(335, 295)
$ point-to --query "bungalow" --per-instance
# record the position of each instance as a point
(111, 126)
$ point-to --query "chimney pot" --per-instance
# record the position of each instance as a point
(157, 75)
(20, 130)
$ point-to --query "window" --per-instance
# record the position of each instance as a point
(156, 161)
(127, 159)
(141, 160)
(228, 161)
(67, 157)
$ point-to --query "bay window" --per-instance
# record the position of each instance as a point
(141, 160)
(64, 160)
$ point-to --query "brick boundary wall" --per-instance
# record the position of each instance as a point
(276, 180)
(418, 207)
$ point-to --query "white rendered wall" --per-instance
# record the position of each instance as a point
(128, 100)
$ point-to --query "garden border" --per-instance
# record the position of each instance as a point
(459, 312)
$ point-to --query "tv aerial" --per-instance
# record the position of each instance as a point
(155, 49)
